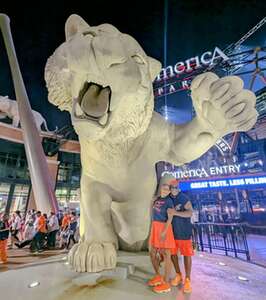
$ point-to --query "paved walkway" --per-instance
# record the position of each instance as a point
(214, 278)
(17, 258)
(257, 248)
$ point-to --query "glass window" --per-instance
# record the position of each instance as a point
(4, 191)
(20, 197)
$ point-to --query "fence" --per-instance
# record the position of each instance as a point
(228, 238)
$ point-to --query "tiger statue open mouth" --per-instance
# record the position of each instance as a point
(104, 79)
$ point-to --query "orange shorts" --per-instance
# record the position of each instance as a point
(155, 236)
(184, 247)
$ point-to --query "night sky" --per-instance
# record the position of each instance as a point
(193, 28)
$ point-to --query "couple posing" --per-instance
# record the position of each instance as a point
(171, 232)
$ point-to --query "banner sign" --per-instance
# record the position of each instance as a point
(229, 182)
(204, 172)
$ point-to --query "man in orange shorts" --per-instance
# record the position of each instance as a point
(182, 229)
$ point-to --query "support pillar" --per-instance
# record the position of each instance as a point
(39, 173)
(53, 165)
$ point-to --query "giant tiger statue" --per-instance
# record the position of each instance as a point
(104, 79)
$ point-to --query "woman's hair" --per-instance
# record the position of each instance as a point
(158, 189)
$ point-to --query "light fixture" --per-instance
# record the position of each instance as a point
(200, 255)
(66, 263)
(221, 263)
(242, 278)
(33, 284)
(64, 258)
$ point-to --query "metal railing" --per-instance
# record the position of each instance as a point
(228, 238)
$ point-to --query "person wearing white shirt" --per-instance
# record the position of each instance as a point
(53, 227)
(15, 227)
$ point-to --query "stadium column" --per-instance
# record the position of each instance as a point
(53, 164)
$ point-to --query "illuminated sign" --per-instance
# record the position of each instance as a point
(202, 172)
(208, 58)
(223, 146)
(234, 182)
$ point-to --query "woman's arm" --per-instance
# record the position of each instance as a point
(167, 224)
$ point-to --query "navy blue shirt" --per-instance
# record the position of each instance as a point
(73, 226)
(182, 227)
(159, 209)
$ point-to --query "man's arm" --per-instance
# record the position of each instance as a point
(183, 214)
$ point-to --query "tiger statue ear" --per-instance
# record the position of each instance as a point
(154, 67)
(74, 24)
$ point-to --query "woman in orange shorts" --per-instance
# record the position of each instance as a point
(161, 240)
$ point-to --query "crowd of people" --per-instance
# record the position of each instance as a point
(38, 231)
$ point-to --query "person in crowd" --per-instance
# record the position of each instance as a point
(60, 216)
(46, 221)
(53, 228)
(16, 225)
(4, 234)
(77, 236)
(29, 231)
(64, 237)
(72, 229)
(65, 221)
(161, 240)
(29, 226)
(182, 228)
(40, 227)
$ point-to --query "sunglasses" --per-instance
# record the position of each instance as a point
(174, 187)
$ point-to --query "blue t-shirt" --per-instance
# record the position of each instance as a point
(182, 227)
(159, 209)
(73, 226)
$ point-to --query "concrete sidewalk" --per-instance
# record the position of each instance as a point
(214, 278)
(257, 248)
(17, 258)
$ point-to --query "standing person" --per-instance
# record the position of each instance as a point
(65, 221)
(77, 236)
(4, 234)
(29, 232)
(60, 217)
(40, 226)
(29, 227)
(72, 229)
(182, 227)
(53, 227)
(15, 227)
(64, 233)
(161, 240)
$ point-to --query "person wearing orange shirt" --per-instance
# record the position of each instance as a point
(41, 230)
(65, 221)
(4, 234)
